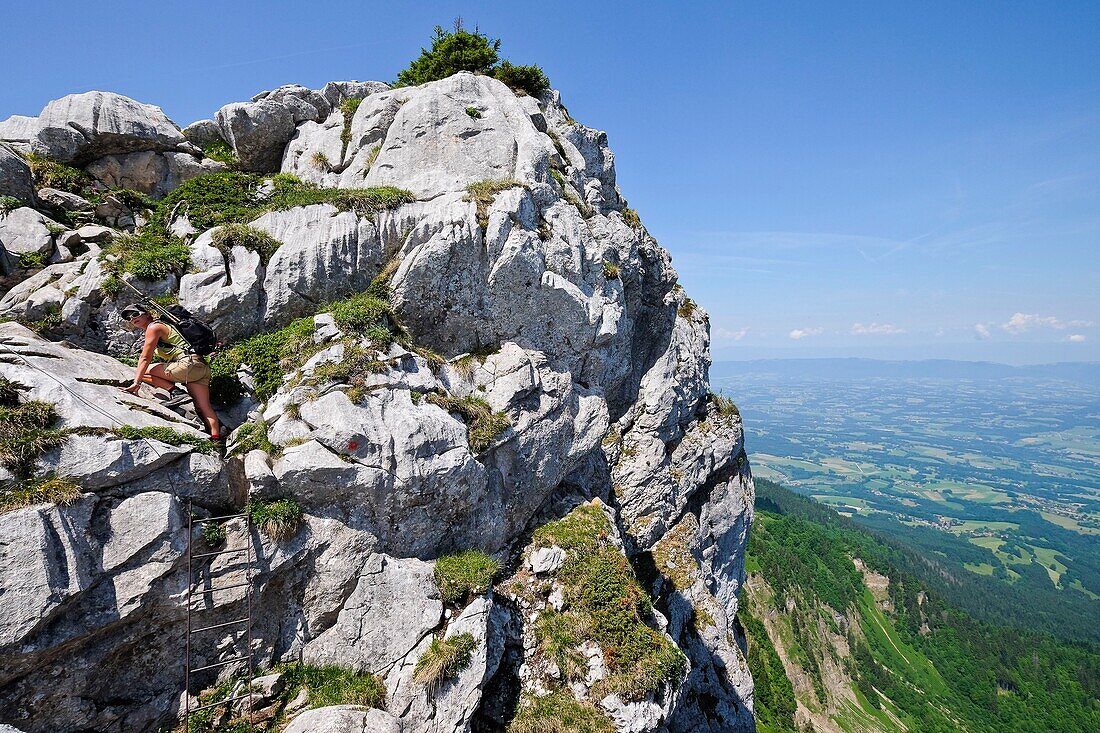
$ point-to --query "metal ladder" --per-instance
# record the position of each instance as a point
(192, 594)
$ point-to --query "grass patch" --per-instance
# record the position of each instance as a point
(687, 308)
(269, 355)
(348, 107)
(249, 237)
(352, 369)
(558, 712)
(332, 685)
(630, 216)
(607, 602)
(50, 320)
(571, 194)
(558, 636)
(320, 161)
(610, 271)
(482, 424)
(49, 173)
(483, 193)
(474, 112)
(277, 519)
(213, 533)
(147, 256)
(26, 431)
(371, 157)
(464, 575)
(52, 490)
(9, 204)
(222, 152)
(444, 658)
(253, 436)
(724, 405)
(166, 435)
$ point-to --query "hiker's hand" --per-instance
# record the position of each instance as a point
(133, 388)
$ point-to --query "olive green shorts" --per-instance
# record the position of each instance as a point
(188, 370)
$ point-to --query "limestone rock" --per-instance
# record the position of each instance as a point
(336, 92)
(149, 172)
(63, 200)
(203, 133)
(25, 231)
(15, 176)
(344, 719)
(257, 131)
(81, 127)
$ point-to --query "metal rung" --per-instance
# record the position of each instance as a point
(220, 702)
(222, 664)
(224, 587)
(218, 626)
(196, 520)
(219, 552)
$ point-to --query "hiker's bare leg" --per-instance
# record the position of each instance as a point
(200, 395)
(156, 377)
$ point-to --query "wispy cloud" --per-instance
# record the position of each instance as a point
(725, 334)
(1024, 322)
(1077, 338)
(982, 330)
(800, 333)
(876, 329)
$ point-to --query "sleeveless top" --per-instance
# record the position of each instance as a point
(172, 346)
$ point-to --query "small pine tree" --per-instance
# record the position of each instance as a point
(451, 52)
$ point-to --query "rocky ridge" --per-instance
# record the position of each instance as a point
(540, 364)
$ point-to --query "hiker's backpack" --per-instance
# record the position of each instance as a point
(202, 339)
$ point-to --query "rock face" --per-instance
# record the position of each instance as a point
(15, 176)
(533, 300)
(81, 127)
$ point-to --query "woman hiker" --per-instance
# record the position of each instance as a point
(180, 366)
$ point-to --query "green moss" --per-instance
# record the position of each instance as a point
(482, 193)
(610, 271)
(464, 575)
(357, 314)
(166, 435)
(50, 490)
(211, 200)
(483, 425)
(251, 238)
(277, 519)
(253, 436)
(584, 529)
(558, 712)
(444, 658)
(474, 112)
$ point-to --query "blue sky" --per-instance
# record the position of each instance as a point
(898, 180)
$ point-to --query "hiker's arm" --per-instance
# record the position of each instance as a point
(152, 336)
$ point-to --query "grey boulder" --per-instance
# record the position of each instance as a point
(15, 176)
(257, 131)
(344, 719)
(81, 127)
(149, 172)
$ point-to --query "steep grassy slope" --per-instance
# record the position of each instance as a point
(866, 647)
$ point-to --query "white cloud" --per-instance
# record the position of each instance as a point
(1077, 338)
(982, 330)
(876, 329)
(725, 334)
(1023, 322)
(801, 333)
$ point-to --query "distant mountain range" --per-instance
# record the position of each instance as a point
(1081, 372)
